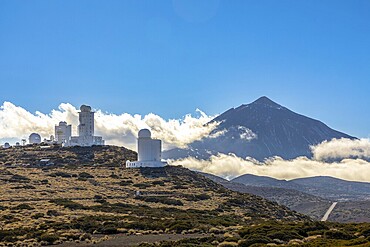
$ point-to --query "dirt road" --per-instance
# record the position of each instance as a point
(327, 214)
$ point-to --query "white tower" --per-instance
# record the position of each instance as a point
(86, 136)
(86, 118)
(148, 148)
(149, 151)
(63, 132)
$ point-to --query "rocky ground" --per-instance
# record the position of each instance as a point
(66, 203)
(87, 202)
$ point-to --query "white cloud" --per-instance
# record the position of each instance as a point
(218, 133)
(351, 163)
(230, 166)
(17, 123)
(342, 148)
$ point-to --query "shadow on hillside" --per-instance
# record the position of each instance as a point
(149, 172)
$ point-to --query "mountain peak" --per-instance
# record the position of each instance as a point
(260, 130)
(265, 101)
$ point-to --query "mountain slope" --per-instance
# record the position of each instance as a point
(356, 210)
(322, 186)
(334, 187)
(260, 130)
(304, 203)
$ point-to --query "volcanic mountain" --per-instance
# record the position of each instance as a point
(261, 129)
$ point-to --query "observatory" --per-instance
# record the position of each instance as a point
(86, 129)
(34, 138)
(86, 118)
(149, 151)
(63, 133)
(6, 145)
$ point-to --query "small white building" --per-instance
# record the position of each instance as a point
(6, 145)
(149, 151)
(50, 141)
(34, 138)
(63, 133)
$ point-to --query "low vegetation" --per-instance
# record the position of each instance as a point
(66, 203)
(275, 233)
(70, 156)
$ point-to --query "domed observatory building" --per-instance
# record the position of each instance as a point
(149, 151)
(34, 138)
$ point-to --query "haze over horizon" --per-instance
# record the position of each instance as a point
(172, 57)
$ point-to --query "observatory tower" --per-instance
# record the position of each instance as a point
(149, 151)
(86, 129)
(86, 118)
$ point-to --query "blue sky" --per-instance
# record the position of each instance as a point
(171, 57)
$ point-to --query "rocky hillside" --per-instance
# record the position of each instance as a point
(260, 130)
(65, 202)
(304, 203)
(351, 211)
(296, 195)
(31, 155)
(82, 204)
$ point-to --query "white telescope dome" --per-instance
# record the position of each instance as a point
(145, 133)
(34, 138)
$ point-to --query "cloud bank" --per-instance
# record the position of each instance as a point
(341, 149)
(17, 123)
(351, 163)
(230, 166)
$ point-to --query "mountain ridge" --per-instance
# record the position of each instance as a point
(261, 129)
(326, 187)
(351, 209)
(296, 200)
